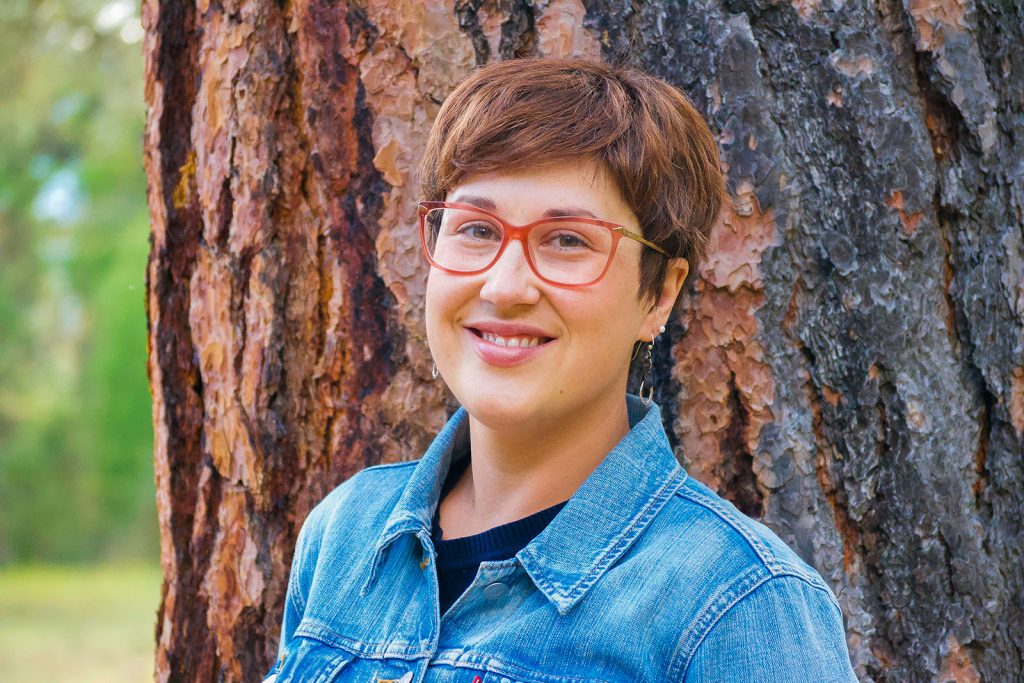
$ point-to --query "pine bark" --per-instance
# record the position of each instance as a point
(849, 367)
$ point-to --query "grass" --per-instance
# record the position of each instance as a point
(82, 624)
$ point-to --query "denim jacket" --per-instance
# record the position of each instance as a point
(644, 575)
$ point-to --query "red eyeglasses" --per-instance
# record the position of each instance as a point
(567, 251)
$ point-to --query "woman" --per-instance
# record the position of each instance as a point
(548, 533)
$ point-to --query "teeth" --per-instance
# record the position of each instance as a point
(510, 341)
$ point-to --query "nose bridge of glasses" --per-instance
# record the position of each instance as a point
(515, 251)
(511, 279)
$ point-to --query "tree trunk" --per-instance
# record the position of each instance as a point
(849, 367)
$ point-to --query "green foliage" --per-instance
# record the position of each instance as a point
(76, 478)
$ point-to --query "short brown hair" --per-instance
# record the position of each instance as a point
(643, 131)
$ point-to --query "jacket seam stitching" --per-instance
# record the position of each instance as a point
(760, 549)
(388, 466)
(297, 598)
(772, 563)
(294, 577)
(310, 627)
(740, 597)
(686, 650)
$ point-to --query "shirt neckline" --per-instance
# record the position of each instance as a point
(602, 519)
(497, 543)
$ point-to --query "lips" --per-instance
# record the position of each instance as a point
(507, 344)
(511, 341)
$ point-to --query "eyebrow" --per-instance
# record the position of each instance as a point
(568, 211)
(488, 205)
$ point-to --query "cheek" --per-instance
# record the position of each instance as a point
(604, 323)
(433, 306)
(444, 295)
(614, 311)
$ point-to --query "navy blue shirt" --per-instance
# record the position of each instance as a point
(459, 558)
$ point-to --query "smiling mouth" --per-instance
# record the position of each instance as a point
(520, 341)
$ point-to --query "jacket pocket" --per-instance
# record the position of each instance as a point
(504, 673)
(491, 677)
(308, 660)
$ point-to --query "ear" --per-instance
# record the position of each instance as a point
(665, 298)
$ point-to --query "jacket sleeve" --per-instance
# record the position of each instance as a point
(295, 597)
(304, 562)
(784, 629)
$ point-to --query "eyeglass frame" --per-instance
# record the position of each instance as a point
(521, 233)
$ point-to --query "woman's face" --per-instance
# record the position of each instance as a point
(583, 336)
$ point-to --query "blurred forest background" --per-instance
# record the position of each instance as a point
(76, 477)
(76, 474)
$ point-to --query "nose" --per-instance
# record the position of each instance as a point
(511, 281)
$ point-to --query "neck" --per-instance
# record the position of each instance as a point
(517, 472)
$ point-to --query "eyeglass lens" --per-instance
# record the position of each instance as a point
(562, 250)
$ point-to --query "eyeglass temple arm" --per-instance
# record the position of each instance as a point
(632, 235)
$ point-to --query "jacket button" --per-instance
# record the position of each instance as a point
(495, 590)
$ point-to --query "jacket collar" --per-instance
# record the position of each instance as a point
(600, 522)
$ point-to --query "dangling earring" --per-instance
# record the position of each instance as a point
(433, 370)
(646, 365)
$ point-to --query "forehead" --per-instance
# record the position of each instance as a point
(575, 187)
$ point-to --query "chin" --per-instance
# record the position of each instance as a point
(502, 410)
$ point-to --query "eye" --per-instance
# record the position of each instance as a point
(568, 240)
(478, 230)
